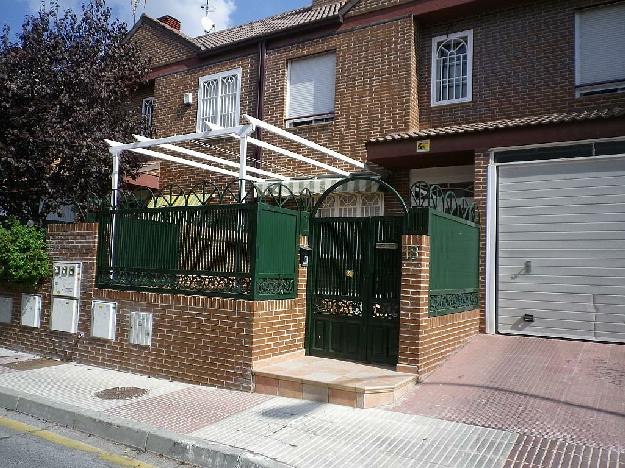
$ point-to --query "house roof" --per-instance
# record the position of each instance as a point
(270, 25)
(179, 34)
(548, 119)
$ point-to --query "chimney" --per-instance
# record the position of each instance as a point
(170, 21)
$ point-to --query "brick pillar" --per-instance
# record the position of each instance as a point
(481, 184)
(414, 298)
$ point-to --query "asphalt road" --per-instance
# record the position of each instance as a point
(27, 442)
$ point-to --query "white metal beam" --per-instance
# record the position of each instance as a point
(303, 141)
(290, 154)
(119, 146)
(220, 133)
(206, 157)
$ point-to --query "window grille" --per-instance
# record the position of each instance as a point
(219, 100)
(147, 112)
(352, 205)
(452, 57)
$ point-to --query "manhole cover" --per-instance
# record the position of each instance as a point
(32, 364)
(121, 393)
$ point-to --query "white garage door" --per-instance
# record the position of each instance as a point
(561, 249)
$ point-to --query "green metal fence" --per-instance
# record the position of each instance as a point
(451, 222)
(242, 250)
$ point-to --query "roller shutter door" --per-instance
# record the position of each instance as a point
(561, 249)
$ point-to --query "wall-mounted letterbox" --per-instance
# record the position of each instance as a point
(6, 309)
(103, 319)
(31, 310)
(64, 315)
(66, 279)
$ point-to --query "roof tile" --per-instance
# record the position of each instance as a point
(267, 26)
(504, 124)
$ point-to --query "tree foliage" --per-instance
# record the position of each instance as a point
(66, 82)
(23, 256)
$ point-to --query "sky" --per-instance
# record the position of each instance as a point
(226, 13)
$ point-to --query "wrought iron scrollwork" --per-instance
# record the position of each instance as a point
(452, 201)
(386, 311)
(276, 286)
(338, 307)
(443, 304)
(158, 281)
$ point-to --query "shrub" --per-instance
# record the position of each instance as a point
(23, 255)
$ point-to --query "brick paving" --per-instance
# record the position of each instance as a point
(562, 397)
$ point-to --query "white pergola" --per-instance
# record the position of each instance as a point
(240, 169)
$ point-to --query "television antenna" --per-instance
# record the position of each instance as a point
(207, 23)
(133, 6)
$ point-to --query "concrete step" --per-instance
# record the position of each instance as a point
(331, 381)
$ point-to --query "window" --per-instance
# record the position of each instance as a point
(599, 49)
(311, 90)
(147, 112)
(219, 100)
(353, 205)
(452, 68)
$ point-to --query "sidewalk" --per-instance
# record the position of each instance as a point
(213, 427)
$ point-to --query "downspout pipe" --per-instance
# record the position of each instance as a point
(260, 96)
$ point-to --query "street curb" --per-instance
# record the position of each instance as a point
(143, 437)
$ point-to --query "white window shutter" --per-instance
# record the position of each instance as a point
(600, 44)
(312, 86)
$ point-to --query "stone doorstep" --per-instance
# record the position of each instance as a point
(355, 396)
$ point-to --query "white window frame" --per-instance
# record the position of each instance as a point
(218, 77)
(592, 88)
(433, 88)
(291, 122)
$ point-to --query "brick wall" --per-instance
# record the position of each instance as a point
(424, 341)
(481, 185)
(160, 45)
(376, 78)
(195, 339)
(523, 63)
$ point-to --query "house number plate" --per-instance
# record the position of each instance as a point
(386, 246)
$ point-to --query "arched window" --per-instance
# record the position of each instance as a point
(452, 57)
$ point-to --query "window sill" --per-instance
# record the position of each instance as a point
(600, 89)
(451, 103)
(312, 121)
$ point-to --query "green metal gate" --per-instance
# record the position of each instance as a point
(354, 287)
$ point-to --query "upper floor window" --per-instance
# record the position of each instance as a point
(219, 100)
(311, 90)
(147, 113)
(599, 51)
(452, 63)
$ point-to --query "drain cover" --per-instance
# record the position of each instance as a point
(32, 364)
(121, 393)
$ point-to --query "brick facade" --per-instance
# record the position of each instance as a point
(523, 63)
(203, 340)
(424, 341)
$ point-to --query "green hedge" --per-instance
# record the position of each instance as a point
(23, 255)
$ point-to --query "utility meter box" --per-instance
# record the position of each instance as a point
(31, 310)
(103, 319)
(64, 315)
(66, 279)
(140, 328)
(6, 309)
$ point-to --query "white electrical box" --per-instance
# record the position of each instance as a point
(187, 98)
(140, 332)
(6, 309)
(103, 319)
(64, 315)
(66, 279)
(31, 310)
